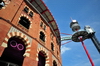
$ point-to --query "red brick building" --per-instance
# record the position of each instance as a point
(29, 35)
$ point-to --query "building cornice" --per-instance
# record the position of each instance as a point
(44, 12)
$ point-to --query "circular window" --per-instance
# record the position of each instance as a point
(20, 47)
(13, 43)
(16, 43)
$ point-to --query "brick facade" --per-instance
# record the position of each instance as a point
(10, 15)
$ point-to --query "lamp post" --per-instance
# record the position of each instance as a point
(91, 34)
(79, 36)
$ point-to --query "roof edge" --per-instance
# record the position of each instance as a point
(58, 37)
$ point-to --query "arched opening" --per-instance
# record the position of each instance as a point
(52, 46)
(24, 22)
(31, 14)
(2, 4)
(41, 58)
(14, 51)
(54, 63)
(42, 36)
(26, 9)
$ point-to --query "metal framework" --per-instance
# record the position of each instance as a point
(80, 35)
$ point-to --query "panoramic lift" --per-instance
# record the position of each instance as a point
(80, 35)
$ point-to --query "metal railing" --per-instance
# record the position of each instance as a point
(4, 63)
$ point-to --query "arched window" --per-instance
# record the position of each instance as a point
(44, 27)
(24, 22)
(42, 36)
(52, 46)
(26, 9)
(2, 4)
(14, 51)
(31, 14)
(42, 59)
(41, 24)
(51, 35)
(54, 63)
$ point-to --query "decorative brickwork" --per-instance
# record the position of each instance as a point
(14, 32)
(45, 52)
(21, 28)
(6, 3)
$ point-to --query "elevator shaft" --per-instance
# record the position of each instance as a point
(96, 42)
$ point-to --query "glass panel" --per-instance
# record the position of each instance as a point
(31, 14)
(2, 4)
(24, 22)
(42, 36)
(26, 9)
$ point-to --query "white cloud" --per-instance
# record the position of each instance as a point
(64, 49)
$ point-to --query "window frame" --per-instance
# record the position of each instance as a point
(44, 27)
(42, 36)
(25, 23)
(2, 4)
(52, 46)
(54, 63)
(41, 24)
(26, 9)
(31, 14)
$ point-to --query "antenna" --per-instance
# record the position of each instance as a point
(71, 18)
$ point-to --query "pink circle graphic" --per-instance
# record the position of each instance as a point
(13, 43)
(20, 47)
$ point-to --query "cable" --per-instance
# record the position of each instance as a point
(65, 33)
(90, 59)
(66, 42)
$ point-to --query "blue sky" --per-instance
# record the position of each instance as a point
(86, 12)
